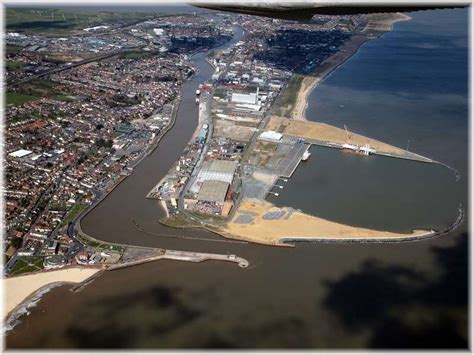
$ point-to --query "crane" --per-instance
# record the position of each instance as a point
(348, 134)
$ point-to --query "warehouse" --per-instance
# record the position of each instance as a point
(20, 153)
(215, 170)
(244, 98)
(271, 136)
(220, 170)
(213, 191)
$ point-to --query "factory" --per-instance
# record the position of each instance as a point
(211, 188)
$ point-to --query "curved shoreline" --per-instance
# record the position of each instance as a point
(368, 240)
(28, 289)
(319, 75)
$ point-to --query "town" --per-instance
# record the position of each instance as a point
(84, 107)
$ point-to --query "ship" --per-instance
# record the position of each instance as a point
(355, 149)
(306, 155)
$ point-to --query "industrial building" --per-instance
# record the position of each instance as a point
(271, 136)
(213, 191)
(217, 170)
(20, 153)
(244, 98)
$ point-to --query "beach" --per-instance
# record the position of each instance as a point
(18, 289)
(262, 222)
(376, 26)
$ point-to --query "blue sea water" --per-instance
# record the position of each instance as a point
(408, 88)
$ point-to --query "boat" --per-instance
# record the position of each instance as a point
(306, 155)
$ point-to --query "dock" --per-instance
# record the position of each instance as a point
(406, 156)
(289, 164)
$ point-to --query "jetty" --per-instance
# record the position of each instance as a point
(195, 257)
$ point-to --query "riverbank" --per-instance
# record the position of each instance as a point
(20, 290)
(376, 26)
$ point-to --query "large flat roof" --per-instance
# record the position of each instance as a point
(213, 191)
(20, 153)
(220, 166)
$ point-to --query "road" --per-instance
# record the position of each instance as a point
(70, 66)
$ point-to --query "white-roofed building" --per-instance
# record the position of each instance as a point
(244, 98)
(215, 170)
(271, 136)
(20, 153)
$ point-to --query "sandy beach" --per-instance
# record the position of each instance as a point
(376, 26)
(259, 228)
(18, 289)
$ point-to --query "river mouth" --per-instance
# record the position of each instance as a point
(116, 217)
(372, 191)
(314, 296)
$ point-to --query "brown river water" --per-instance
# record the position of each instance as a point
(325, 296)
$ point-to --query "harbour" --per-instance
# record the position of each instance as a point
(296, 290)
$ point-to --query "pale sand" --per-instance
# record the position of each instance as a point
(328, 133)
(298, 225)
(384, 22)
(18, 289)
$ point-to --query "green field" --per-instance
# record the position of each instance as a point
(27, 264)
(13, 65)
(15, 98)
(73, 213)
(12, 49)
(135, 55)
(289, 96)
(66, 21)
(44, 88)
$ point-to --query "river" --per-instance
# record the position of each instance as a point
(324, 296)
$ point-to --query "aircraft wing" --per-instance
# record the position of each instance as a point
(304, 11)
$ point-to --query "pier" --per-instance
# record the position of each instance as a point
(194, 257)
(407, 156)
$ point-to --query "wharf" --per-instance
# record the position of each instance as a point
(406, 156)
(289, 164)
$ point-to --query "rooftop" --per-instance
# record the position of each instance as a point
(213, 191)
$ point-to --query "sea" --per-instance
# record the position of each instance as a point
(408, 88)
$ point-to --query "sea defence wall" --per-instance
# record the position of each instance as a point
(427, 235)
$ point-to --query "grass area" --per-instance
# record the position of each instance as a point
(209, 218)
(291, 93)
(220, 93)
(110, 247)
(135, 55)
(57, 207)
(44, 88)
(92, 243)
(13, 65)
(62, 97)
(102, 246)
(12, 49)
(179, 220)
(27, 264)
(66, 21)
(17, 99)
(73, 213)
